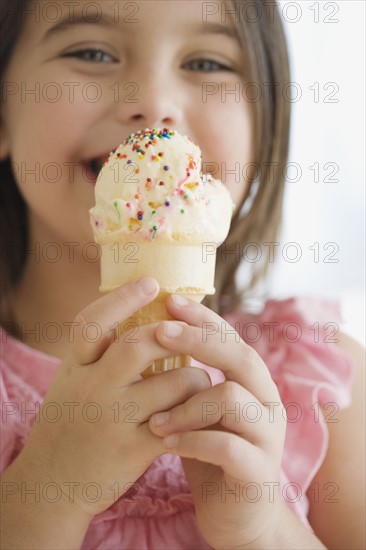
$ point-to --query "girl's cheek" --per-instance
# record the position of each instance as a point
(82, 96)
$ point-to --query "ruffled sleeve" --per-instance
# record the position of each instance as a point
(24, 377)
(7, 440)
(297, 339)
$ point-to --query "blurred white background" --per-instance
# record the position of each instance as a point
(326, 204)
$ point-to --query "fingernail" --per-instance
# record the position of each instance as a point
(180, 300)
(147, 285)
(171, 441)
(159, 419)
(172, 330)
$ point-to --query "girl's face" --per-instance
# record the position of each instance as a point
(85, 76)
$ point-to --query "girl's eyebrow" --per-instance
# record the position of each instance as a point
(215, 28)
(105, 20)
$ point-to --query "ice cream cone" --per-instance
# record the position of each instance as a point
(172, 265)
(156, 215)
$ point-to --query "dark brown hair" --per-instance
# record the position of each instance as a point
(13, 210)
(262, 38)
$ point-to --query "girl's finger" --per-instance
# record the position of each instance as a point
(95, 326)
(223, 449)
(212, 341)
(131, 353)
(227, 404)
(149, 441)
(167, 390)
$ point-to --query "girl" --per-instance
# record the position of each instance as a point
(97, 466)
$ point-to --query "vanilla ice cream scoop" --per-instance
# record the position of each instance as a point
(151, 186)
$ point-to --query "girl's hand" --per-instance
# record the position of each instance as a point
(231, 434)
(92, 437)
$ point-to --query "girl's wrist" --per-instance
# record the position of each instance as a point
(43, 513)
(285, 533)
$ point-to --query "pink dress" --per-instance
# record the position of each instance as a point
(293, 337)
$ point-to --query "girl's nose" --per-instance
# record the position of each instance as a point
(149, 106)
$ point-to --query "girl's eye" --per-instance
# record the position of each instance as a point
(94, 56)
(205, 66)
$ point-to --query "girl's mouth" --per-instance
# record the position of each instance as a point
(92, 167)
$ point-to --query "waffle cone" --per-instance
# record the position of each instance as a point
(173, 265)
(153, 313)
(178, 267)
